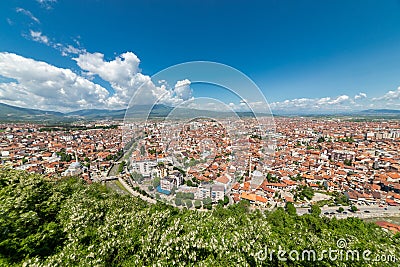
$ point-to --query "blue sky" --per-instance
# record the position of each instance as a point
(321, 55)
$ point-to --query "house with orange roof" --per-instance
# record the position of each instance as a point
(391, 202)
(236, 197)
(290, 185)
(289, 199)
(261, 201)
(394, 196)
(393, 177)
(314, 186)
(223, 180)
(235, 187)
(254, 199)
(390, 226)
(330, 186)
(275, 186)
(246, 186)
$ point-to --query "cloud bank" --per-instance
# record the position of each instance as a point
(37, 84)
(30, 83)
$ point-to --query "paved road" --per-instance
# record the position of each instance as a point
(373, 211)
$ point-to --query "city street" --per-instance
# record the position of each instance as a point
(373, 211)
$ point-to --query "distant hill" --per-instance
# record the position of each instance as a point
(11, 113)
(90, 114)
(380, 111)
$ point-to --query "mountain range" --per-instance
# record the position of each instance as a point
(9, 113)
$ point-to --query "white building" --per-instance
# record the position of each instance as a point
(217, 193)
(174, 179)
(167, 183)
(203, 192)
(74, 169)
(257, 178)
(143, 167)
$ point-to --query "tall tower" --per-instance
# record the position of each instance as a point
(250, 166)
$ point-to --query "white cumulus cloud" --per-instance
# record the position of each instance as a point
(37, 84)
(360, 96)
(39, 37)
(339, 103)
(389, 96)
(339, 100)
(40, 85)
(117, 71)
(182, 89)
(125, 77)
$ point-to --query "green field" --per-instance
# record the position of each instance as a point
(118, 183)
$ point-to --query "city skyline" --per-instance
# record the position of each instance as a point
(330, 57)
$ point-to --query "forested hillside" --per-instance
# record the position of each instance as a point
(69, 223)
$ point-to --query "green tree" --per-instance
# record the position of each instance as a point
(290, 208)
(315, 210)
(341, 199)
(66, 222)
(197, 204)
(137, 177)
(207, 203)
(178, 201)
(121, 166)
(189, 203)
(173, 190)
(226, 200)
(347, 162)
(156, 182)
(353, 208)
(189, 183)
(307, 192)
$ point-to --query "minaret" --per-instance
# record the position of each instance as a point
(250, 166)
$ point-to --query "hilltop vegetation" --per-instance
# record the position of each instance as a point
(69, 223)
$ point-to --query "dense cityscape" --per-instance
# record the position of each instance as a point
(328, 162)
